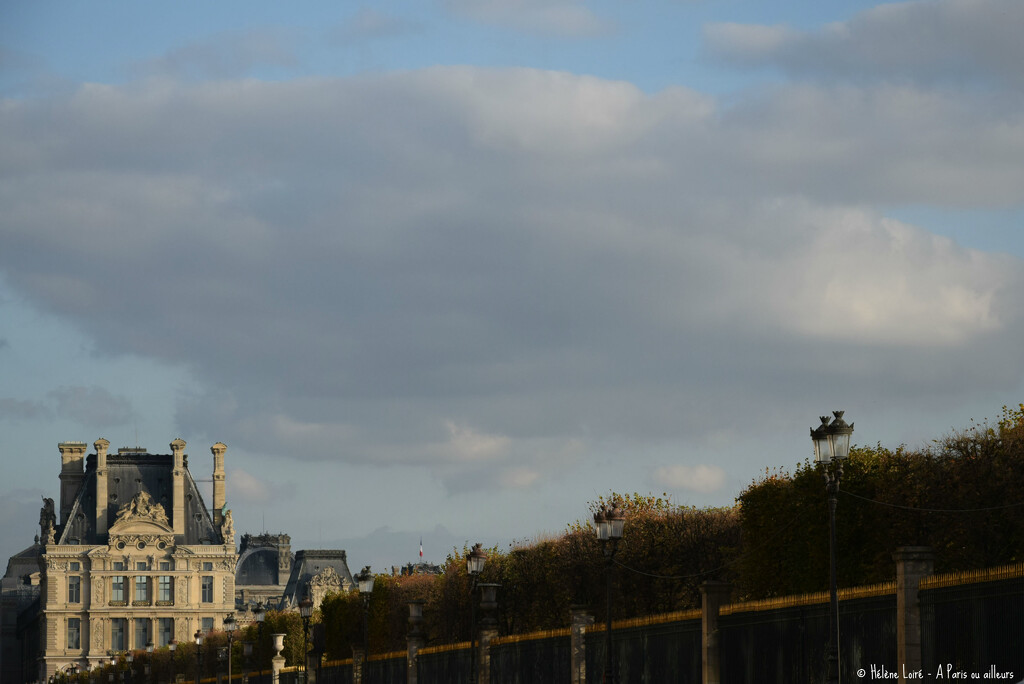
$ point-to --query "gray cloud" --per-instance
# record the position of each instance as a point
(934, 41)
(368, 23)
(226, 55)
(22, 409)
(92, 406)
(565, 18)
(493, 273)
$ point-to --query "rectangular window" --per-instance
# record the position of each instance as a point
(142, 590)
(74, 566)
(207, 589)
(74, 633)
(165, 627)
(207, 625)
(74, 589)
(120, 565)
(142, 565)
(141, 633)
(208, 567)
(117, 589)
(165, 589)
(117, 634)
(166, 565)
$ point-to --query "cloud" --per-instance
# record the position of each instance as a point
(566, 18)
(225, 55)
(494, 274)
(699, 478)
(931, 41)
(92, 406)
(12, 409)
(368, 23)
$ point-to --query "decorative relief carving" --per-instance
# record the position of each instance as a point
(142, 506)
(328, 577)
(56, 564)
(97, 590)
(96, 627)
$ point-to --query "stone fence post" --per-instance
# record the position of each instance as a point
(578, 643)
(713, 596)
(488, 630)
(913, 563)
(358, 664)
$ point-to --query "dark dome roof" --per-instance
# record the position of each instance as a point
(258, 568)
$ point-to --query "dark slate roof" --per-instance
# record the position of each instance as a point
(128, 474)
(310, 563)
(258, 568)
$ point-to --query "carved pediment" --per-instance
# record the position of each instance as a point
(142, 507)
(328, 577)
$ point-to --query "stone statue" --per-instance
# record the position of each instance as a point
(227, 528)
(142, 506)
(47, 520)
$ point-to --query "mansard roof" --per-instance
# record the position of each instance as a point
(128, 473)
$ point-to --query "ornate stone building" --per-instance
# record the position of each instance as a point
(132, 556)
(264, 566)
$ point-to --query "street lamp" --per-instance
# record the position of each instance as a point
(198, 636)
(306, 612)
(148, 668)
(172, 646)
(247, 655)
(230, 626)
(129, 659)
(365, 581)
(474, 566)
(831, 447)
(260, 614)
(609, 522)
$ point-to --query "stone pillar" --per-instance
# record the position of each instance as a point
(580, 620)
(358, 661)
(72, 472)
(488, 630)
(219, 487)
(415, 640)
(277, 662)
(913, 563)
(713, 596)
(101, 446)
(178, 487)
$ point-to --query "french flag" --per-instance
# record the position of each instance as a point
(421, 547)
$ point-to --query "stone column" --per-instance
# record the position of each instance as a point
(713, 596)
(277, 662)
(488, 630)
(913, 563)
(580, 620)
(415, 640)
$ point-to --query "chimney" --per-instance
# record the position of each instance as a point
(178, 487)
(219, 493)
(101, 445)
(72, 472)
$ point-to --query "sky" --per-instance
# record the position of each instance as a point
(451, 270)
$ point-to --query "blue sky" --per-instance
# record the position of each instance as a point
(453, 269)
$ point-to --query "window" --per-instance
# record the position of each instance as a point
(141, 632)
(117, 589)
(142, 589)
(165, 589)
(74, 566)
(74, 633)
(74, 589)
(207, 625)
(120, 565)
(208, 567)
(165, 631)
(142, 565)
(166, 565)
(117, 634)
(207, 589)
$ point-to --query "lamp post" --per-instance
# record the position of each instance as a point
(172, 646)
(260, 614)
(113, 662)
(365, 580)
(474, 566)
(230, 626)
(306, 611)
(198, 636)
(831, 447)
(148, 668)
(247, 654)
(609, 522)
(129, 659)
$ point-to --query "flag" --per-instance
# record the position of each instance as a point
(421, 547)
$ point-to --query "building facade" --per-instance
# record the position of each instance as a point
(132, 556)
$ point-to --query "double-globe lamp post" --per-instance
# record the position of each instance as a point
(365, 581)
(474, 566)
(198, 636)
(305, 612)
(230, 626)
(832, 447)
(609, 522)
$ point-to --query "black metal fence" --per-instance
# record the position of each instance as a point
(524, 661)
(448, 666)
(647, 653)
